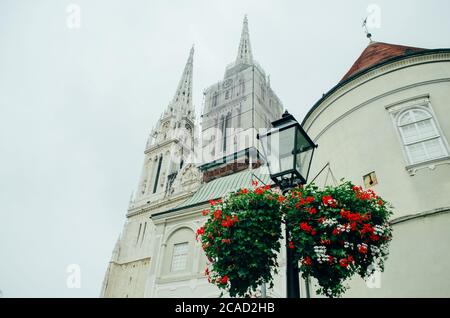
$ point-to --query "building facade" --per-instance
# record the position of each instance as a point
(385, 126)
(157, 255)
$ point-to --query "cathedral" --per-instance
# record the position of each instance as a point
(384, 125)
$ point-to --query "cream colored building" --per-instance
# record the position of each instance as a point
(384, 125)
(388, 122)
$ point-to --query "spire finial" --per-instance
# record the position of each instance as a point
(183, 94)
(245, 50)
(368, 34)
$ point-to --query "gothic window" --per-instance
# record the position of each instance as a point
(214, 99)
(226, 126)
(155, 185)
(179, 256)
(139, 232)
(143, 232)
(420, 136)
(241, 89)
(227, 94)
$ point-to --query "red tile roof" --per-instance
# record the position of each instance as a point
(378, 52)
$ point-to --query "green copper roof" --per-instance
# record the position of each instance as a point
(220, 187)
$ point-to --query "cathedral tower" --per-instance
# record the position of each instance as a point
(170, 144)
(233, 111)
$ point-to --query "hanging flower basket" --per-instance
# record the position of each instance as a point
(338, 232)
(334, 233)
(241, 239)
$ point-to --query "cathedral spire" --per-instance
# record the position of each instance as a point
(245, 50)
(183, 94)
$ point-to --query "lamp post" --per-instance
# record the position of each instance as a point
(288, 151)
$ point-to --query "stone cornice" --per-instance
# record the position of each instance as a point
(424, 214)
(161, 145)
(158, 204)
(130, 262)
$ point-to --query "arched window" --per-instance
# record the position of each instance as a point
(420, 136)
(179, 256)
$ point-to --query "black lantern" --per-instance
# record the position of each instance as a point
(288, 151)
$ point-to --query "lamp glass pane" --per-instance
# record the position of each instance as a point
(278, 148)
(304, 152)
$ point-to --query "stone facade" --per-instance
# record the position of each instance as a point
(384, 126)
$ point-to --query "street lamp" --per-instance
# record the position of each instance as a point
(288, 151)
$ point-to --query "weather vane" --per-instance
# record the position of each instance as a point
(368, 34)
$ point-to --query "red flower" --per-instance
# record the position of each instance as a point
(255, 183)
(343, 262)
(235, 218)
(350, 259)
(330, 259)
(226, 241)
(267, 187)
(259, 190)
(307, 261)
(206, 271)
(312, 211)
(356, 188)
(380, 202)
(205, 212)
(218, 214)
(327, 200)
(305, 227)
(291, 245)
(212, 202)
(224, 280)
(310, 199)
(367, 228)
(244, 191)
(335, 232)
(281, 198)
(227, 223)
(353, 226)
(362, 249)
(200, 231)
(353, 216)
(374, 237)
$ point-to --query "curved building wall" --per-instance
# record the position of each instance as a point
(356, 130)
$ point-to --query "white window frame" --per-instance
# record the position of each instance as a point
(419, 140)
(422, 102)
(176, 257)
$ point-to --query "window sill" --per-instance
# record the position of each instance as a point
(430, 164)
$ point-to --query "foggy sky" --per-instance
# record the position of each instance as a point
(76, 105)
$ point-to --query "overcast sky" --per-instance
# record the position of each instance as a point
(77, 104)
